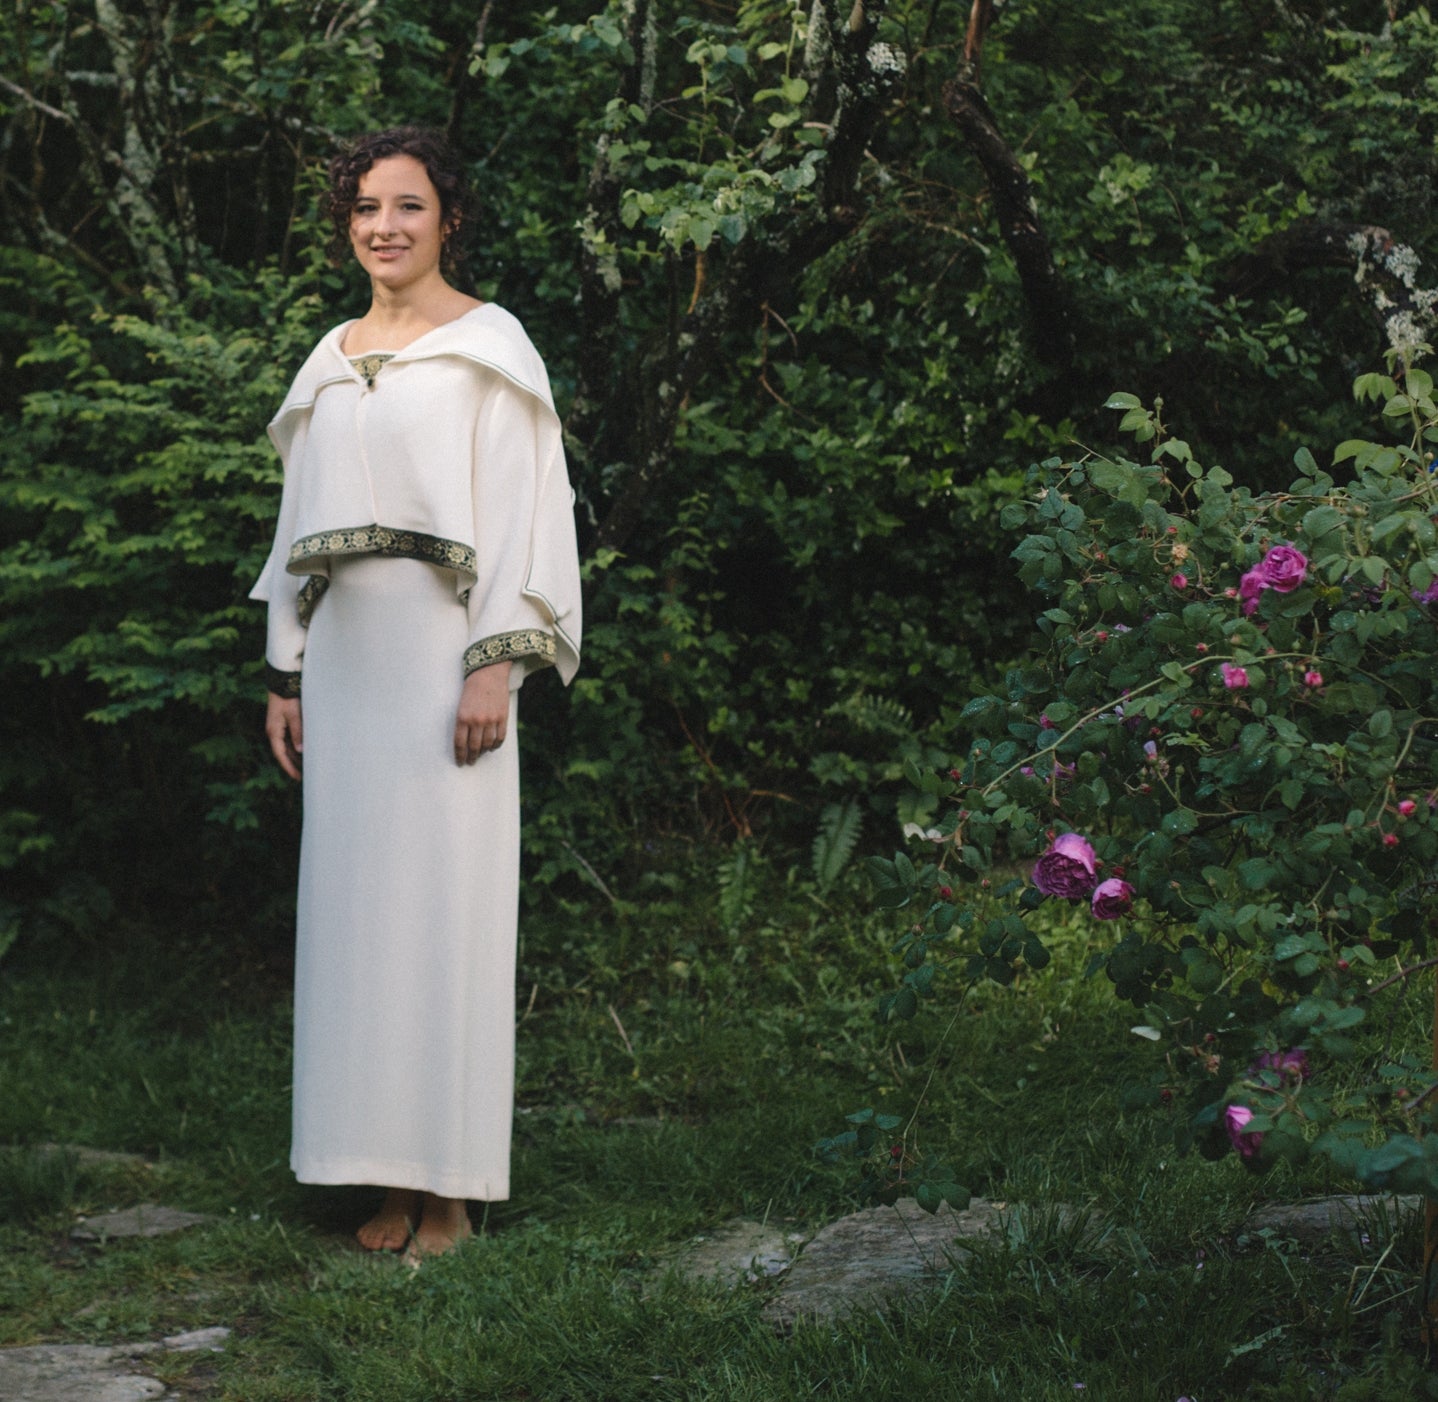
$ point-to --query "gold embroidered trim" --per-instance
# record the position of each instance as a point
(502, 647)
(383, 540)
(370, 365)
(310, 594)
(281, 683)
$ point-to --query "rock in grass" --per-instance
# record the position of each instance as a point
(87, 1157)
(75, 1373)
(740, 1252)
(94, 1372)
(211, 1340)
(1348, 1217)
(146, 1219)
(864, 1259)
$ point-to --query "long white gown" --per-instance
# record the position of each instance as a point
(426, 529)
(408, 899)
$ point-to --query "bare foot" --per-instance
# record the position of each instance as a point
(389, 1229)
(443, 1225)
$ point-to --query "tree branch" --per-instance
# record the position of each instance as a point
(35, 102)
(462, 83)
(980, 17)
(589, 427)
(1384, 270)
(1050, 316)
(761, 269)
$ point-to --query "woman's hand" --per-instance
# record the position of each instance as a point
(286, 732)
(483, 716)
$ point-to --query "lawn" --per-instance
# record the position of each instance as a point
(657, 1102)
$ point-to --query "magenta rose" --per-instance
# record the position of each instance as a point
(1291, 1065)
(1283, 569)
(1067, 868)
(1250, 586)
(1112, 898)
(1234, 1119)
(1234, 678)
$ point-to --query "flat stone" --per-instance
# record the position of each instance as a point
(740, 1252)
(94, 1372)
(864, 1259)
(1344, 1218)
(145, 1220)
(76, 1373)
(211, 1340)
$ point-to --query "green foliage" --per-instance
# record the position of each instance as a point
(1230, 726)
(186, 1063)
(821, 574)
(839, 828)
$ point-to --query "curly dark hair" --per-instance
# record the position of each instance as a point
(457, 209)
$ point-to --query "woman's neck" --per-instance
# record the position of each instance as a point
(398, 316)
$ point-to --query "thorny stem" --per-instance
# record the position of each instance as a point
(933, 1069)
(1400, 976)
(1107, 706)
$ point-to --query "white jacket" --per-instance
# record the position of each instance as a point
(451, 453)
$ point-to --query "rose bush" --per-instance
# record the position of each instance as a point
(1238, 773)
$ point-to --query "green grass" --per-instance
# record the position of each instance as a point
(705, 1106)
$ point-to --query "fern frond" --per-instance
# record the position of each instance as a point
(839, 827)
(736, 887)
(875, 715)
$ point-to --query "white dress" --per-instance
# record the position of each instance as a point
(409, 863)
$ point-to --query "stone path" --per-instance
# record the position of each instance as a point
(105, 1372)
(872, 1257)
(95, 1372)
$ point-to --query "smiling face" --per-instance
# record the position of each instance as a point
(396, 225)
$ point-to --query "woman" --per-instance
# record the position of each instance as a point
(423, 565)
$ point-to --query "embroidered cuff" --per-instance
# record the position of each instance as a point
(506, 647)
(285, 684)
(311, 591)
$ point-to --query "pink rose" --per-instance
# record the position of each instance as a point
(1291, 1065)
(1249, 588)
(1179, 581)
(1067, 868)
(1407, 807)
(1283, 569)
(1234, 678)
(1234, 1119)
(1313, 679)
(1111, 899)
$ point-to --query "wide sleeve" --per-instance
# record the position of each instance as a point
(285, 630)
(524, 605)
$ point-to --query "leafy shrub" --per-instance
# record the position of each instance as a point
(1227, 747)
